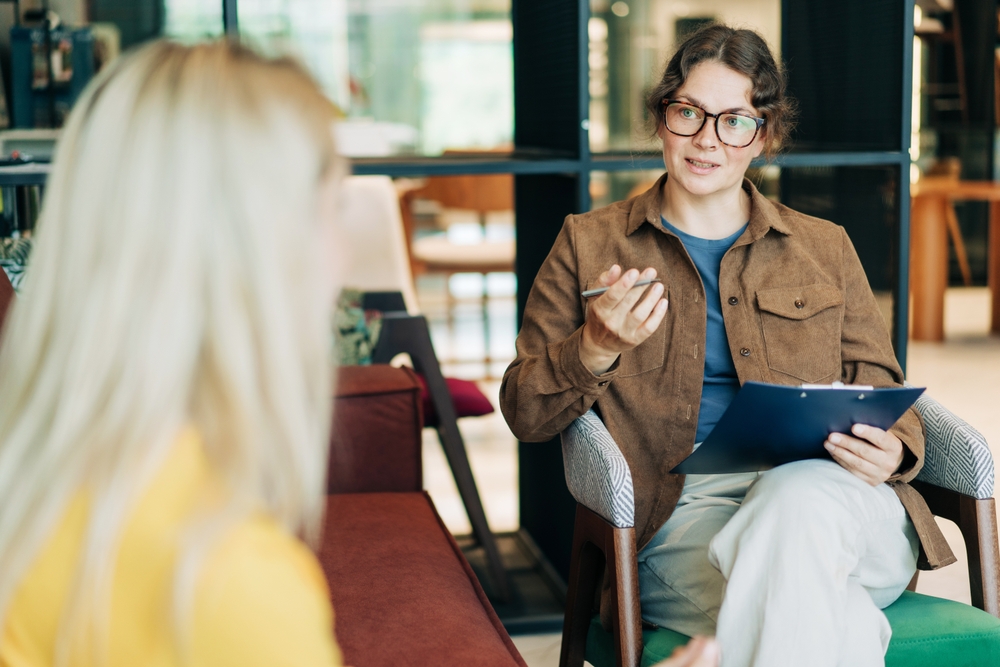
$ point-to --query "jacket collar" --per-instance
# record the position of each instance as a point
(764, 214)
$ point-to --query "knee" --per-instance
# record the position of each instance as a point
(804, 487)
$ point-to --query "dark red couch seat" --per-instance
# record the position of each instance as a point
(375, 441)
(408, 596)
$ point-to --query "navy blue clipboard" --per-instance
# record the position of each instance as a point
(767, 425)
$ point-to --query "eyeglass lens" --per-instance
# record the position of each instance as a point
(733, 129)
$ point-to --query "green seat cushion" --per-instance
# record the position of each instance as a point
(657, 645)
(926, 632)
(932, 631)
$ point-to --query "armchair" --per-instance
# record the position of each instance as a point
(957, 482)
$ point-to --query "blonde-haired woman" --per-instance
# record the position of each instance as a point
(164, 380)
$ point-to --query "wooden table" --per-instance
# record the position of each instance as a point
(933, 198)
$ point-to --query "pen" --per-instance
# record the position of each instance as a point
(601, 290)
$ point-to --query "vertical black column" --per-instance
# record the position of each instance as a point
(550, 113)
(547, 509)
(901, 290)
(844, 64)
(138, 20)
(978, 24)
(230, 17)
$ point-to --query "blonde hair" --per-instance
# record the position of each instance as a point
(177, 280)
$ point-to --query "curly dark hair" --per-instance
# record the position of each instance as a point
(743, 51)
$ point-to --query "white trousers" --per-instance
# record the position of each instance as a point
(790, 567)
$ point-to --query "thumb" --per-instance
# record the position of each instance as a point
(706, 655)
(699, 652)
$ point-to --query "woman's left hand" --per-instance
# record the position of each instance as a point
(870, 453)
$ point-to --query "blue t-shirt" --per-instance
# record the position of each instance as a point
(721, 382)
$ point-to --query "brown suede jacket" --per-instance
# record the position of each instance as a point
(797, 308)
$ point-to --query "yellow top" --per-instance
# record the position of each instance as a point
(260, 598)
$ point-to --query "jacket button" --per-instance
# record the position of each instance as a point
(799, 303)
(733, 301)
(745, 351)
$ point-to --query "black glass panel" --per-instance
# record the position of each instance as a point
(845, 68)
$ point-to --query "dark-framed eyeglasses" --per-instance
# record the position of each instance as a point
(733, 129)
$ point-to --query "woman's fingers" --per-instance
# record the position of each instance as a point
(642, 310)
(621, 318)
(623, 295)
(649, 313)
(860, 457)
(884, 440)
(870, 453)
(707, 654)
(620, 295)
(699, 652)
(639, 322)
(615, 304)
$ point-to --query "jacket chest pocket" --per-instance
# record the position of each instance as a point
(802, 328)
(646, 356)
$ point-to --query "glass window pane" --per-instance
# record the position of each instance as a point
(630, 43)
(417, 77)
(607, 187)
(192, 19)
(132, 22)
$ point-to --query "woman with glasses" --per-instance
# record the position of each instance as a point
(787, 567)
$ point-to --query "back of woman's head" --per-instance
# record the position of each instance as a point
(177, 279)
(743, 51)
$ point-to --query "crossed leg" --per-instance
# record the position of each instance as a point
(794, 573)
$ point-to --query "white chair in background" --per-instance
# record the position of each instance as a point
(376, 257)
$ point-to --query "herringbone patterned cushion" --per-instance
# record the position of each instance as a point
(596, 471)
(957, 455)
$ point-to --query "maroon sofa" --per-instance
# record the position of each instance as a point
(402, 591)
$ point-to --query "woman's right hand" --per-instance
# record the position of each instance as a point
(621, 318)
(699, 652)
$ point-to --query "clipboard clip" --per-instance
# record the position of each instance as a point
(838, 385)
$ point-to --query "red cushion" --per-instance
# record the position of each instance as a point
(468, 399)
(402, 592)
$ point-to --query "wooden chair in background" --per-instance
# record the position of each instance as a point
(481, 195)
(932, 223)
